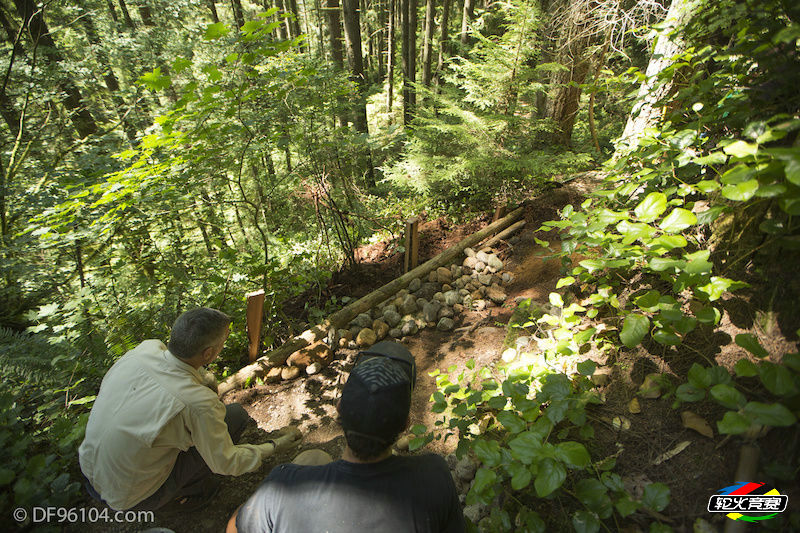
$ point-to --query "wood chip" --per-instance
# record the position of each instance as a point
(666, 456)
(697, 423)
(634, 406)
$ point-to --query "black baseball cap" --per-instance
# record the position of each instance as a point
(377, 396)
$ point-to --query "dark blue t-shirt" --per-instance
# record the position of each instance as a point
(400, 494)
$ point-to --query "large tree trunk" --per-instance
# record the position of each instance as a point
(294, 21)
(380, 36)
(390, 46)
(238, 13)
(126, 16)
(444, 41)
(668, 44)
(430, 24)
(10, 114)
(352, 32)
(335, 39)
(212, 7)
(466, 17)
(33, 18)
(409, 37)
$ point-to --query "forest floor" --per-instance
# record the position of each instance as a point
(703, 467)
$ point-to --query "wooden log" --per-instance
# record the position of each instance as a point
(746, 470)
(412, 245)
(342, 317)
(504, 234)
(255, 312)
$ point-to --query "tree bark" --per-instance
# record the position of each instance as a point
(294, 21)
(380, 37)
(466, 17)
(126, 16)
(645, 112)
(390, 46)
(212, 7)
(238, 13)
(352, 32)
(430, 24)
(33, 18)
(444, 41)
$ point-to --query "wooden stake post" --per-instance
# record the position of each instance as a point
(255, 312)
(412, 244)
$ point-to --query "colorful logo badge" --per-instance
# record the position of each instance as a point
(748, 502)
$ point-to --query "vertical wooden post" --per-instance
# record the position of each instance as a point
(499, 212)
(412, 244)
(255, 312)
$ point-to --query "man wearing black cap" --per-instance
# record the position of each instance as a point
(369, 489)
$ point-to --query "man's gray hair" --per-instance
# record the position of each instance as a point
(196, 330)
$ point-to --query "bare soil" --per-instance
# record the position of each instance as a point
(693, 475)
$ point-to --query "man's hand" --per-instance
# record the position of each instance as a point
(289, 437)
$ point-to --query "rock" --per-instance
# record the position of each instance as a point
(459, 308)
(490, 270)
(376, 313)
(431, 311)
(463, 292)
(601, 376)
(428, 290)
(465, 469)
(343, 342)
(354, 331)
(444, 312)
(402, 443)
(522, 342)
(476, 295)
(352, 345)
(438, 297)
(494, 262)
(509, 355)
(313, 368)
(363, 320)
(457, 271)
(415, 284)
(391, 317)
(651, 387)
(475, 513)
(366, 337)
(507, 278)
(332, 339)
(451, 298)
(447, 287)
(402, 293)
(469, 252)
(485, 279)
(496, 294)
(395, 333)
(380, 328)
(432, 277)
(390, 308)
(409, 328)
(459, 283)
(443, 275)
(482, 256)
(273, 375)
(479, 305)
(289, 372)
(421, 303)
(317, 352)
(409, 305)
(480, 267)
(445, 324)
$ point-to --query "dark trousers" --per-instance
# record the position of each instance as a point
(190, 470)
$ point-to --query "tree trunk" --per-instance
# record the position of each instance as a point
(390, 46)
(126, 16)
(668, 44)
(352, 32)
(112, 11)
(412, 48)
(444, 41)
(40, 35)
(469, 6)
(10, 114)
(335, 39)
(284, 30)
(238, 13)
(430, 13)
(409, 38)
(212, 6)
(380, 36)
(294, 21)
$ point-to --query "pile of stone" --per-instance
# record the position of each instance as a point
(435, 302)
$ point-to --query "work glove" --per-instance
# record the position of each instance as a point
(289, 437)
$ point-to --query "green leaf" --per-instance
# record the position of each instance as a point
(592, 264)
(657, 527)
(564, 282)
(792, 360)
(678, 220)
(215, 31)
(666, 336)
(634, 328)
(660, 264)
(512, 422)
(699, 376)
(582, 337)
(574, 454)
(741, 149)
(668, 242)
(792, 170)
(707, 186)
(585, 522)
(733, 423)
(738, 174)
(587, 368)
(626, 506)
(154, 80)
(656, 496)
(556, 300)
(697, 262)
(634, 230)
(770, 414)
(740, 192)
(550, 476)
(710, 215)
(687, 392)
(520, 476)
(777, 379)
(745, 368)
(594, 495)
(727, 396)
(6, 476)
(717, 287)
(526, 446)
(484, 480)
(651, 207)
(751, 344)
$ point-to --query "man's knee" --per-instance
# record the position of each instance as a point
(236, 418)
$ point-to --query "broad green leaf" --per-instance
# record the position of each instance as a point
(550, 476)
(707, 186)
(587, 368)
(740, 192)
(564, 282)
(556, 300)
(727, 396)
(626, 506)
(215, 31)
(714, 158)
(689, 393)
(699, 376)
(678, 220)
(738, 174)
(154, 80)
(651, 207)
(792, 170)
(790, 206)
(733, 423)
(777, 379)
(574, 454)
(512, 422)
(745, 368)
(718, 374)
(648, 301)
(770, 414)
(634, 328)
(585, 522)
(792, 360)
(592, 264)
(525, 446)
(582, 337)
(666, 336)
(660, 264)
(634, 230)
(717, 287)
(6, 476)
(485, 479)
(710, 215)
(658, 527)
(656, 496)
(594, 495)
(180, 64)
(668, 242)
(749, 342)
(697, 262)
(520, 476)
(741, 149)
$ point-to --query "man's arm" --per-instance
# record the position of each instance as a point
(232, 522)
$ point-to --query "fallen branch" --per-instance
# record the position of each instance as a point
(342, 317)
